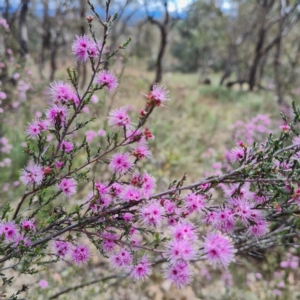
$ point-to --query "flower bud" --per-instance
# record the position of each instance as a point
(90, 19)
(143, 113)
(47, 170)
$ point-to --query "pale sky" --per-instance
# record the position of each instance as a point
(181, 4)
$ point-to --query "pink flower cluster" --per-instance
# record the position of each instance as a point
(253, 130)
(68, 186)
(157, 96)
(85, 48)
(13, 235)
(33, 174)
(240, 209)
(291, 261)
(108, 79)
(78, 254)
(5, 147)
(35, 128)
(62, 93)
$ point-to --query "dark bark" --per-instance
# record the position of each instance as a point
(262, 67)
(163, 28)
(6, 12)
(53, 64)
(23, 37)
(161, 52)
(257, 55)
(227, 71)
(46, 37)
(277, 78)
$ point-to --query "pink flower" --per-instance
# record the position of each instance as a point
(224, 220)
(141, 151)
(9, 230)
(2, 95)
(184, 231)
(296, 140)
(59, 164)
(62, 248)
(144, 182)
(28, 225)
(95, 99)
(210, 217)
(277, 292)
(83, 48)
(20, 239)
(57, 114)
(66, 146)
(284, 264)
(169, 206)
(108, 242)
(127, 217)
(158, 95)
(120, 163)
(134, 135)
(80, 254)
(130, 193)
(101, 132)
(152, 214)
(115, 189)
(85, 110)
(259, 229)
(179, 273)
(142, 270)
(35, 128)
(237, 154)
(219, 249)
(227, 278)
(119, 117)
(285, 128)
(61, 92)
(260, 198)
(68, 186)
(43, 284)
(194, 202)
(148, 182)
(244, 211)
(90, 135)
(107, 79)
(101, 187)
(121, 259)
(32, 174)
(4, 23)
(180, 250)
(235, 192)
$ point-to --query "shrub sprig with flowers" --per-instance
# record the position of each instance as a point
(129, 223)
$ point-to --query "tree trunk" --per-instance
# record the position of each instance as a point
(162, 49)
(257, 55)
(46, 37)
(6, 12)
(23, 37)
(53, 60)
(277, 78)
